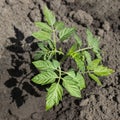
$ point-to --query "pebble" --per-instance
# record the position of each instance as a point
(83, 17)
(84, 102)
(100, 32)
(106, 26)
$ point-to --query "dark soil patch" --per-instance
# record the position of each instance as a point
(23, 100)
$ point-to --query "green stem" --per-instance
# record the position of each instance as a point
(54, 40)
(87, 48)
(59, 75)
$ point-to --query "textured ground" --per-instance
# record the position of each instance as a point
(21, 99)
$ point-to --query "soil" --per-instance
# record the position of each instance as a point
(23, 100)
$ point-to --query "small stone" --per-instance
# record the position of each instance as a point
(83, 17)
(84, 102)
(55, 4)
(118, 98)
(11, 2)
(100, 32)
(70, 1)
(106, 26)
(34, 15)
(35, 116)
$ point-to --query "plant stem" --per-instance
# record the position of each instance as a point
(87, 48)
(54, 40)
(59, 74)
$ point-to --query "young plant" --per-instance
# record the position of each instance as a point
(50, 67)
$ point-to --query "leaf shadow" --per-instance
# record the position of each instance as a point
(21, 70)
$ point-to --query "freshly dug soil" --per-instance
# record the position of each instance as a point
(20, 99)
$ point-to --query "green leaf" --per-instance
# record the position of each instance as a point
(43, 26)
(44, 65)
(77, 78)
(80, 80)
(93, 64)
(71, 86)
(59, 26)
(38, 55)
(87, 56)
(54, 95)
(96, 79)
(72, 50)
(79, 59)
(42, 35)
(42, 46)
(66, 33)
(93, 42)
(102, 71)
(78, 40)
(45, 77)
(49, 16)
(71, 73)
(56, 64)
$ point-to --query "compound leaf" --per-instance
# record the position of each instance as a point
(93, 42)
(42, 46)
(43, 26)
(45, 77)
(96, 79)
(87, 56)
(38, 55)
(42, 35)
(93, 64)
(71, 86)
(102, 71)
(59, 26)
(80, 80)
(44, 65)
(78, 40)
(71, 73)
(54, 95)
(56, 64)
(49, 16)
(66, 33)
(79, 59)
(72, 50)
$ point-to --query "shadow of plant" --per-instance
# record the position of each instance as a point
(21, 70)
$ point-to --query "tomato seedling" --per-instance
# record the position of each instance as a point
(50, 67)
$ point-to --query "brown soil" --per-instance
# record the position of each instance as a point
(22, 100)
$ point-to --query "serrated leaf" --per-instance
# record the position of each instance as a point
(102, 71)
(72, 50)
(44, 65)
(42, 35)
(71, 86)
(66, 33)
(87, 56)
(49, 16)
(51, 45)
(56, 64)
(54, 95)
(42, 46)
(45, 77)
(96, 79)
(38, 55)
(79, 59)
(93, 42)
(93, 64)
(43, 26)
(71, 73)
(59, 26)
(78, 40)
(80, 80)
